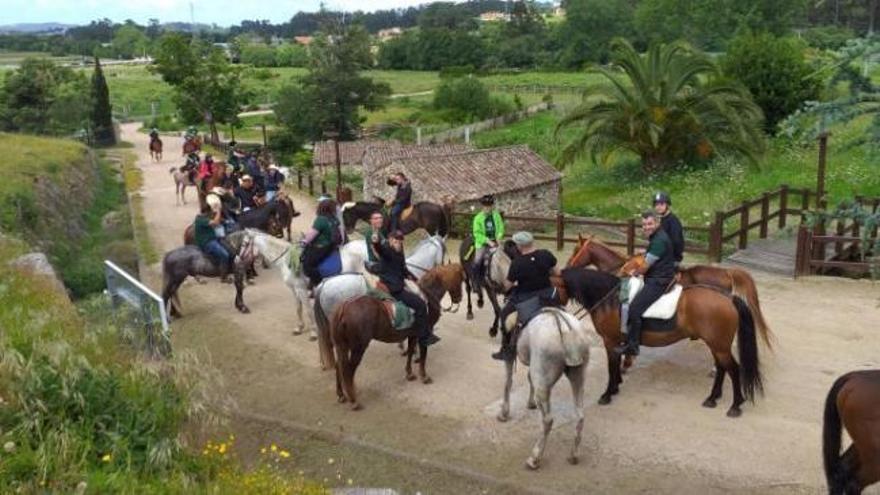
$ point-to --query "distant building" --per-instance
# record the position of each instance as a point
(559, 11)
(389, 34)
(303, 40)
(494, 16)
(351, 153)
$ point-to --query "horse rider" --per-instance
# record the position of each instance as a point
(392, 274)
(252, 168)
(320, 241)
(274, 180)
(206, 171)
(191, 132)
(154, 134)
(249, 197)
(670, 224)
(205, 233)
(402, 198)
(233, 158)
(658, 271)
(374, 234)
(191, 166)
(488, 232)
(528, 282)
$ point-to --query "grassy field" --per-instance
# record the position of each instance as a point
(622, 190)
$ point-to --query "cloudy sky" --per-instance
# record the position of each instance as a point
(221, 12)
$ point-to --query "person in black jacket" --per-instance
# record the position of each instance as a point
(393, 273)
(402, 198)
(670, 224)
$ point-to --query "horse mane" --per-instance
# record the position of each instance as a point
(589, 287)
(608, 248)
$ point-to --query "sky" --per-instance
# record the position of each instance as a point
(220, 12)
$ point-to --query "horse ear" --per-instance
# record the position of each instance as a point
(580, 238)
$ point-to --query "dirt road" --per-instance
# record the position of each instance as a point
(443, 438)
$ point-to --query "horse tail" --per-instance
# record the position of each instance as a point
(445, 218)
(835, 473)
(743, 284)
(172, 170)
(166, 283)
(750, 365)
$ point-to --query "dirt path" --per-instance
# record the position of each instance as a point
(445, 439)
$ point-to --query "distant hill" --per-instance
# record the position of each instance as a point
(35, 28)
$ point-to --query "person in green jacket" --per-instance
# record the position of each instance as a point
(374, 234)
(488, 230)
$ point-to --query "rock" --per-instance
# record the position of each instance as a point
(9, 447)
(38, 264)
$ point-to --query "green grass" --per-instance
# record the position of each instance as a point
(534, 78)
(622, 190)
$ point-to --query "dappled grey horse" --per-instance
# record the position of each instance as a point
(190, 261)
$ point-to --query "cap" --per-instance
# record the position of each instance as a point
(523, 238)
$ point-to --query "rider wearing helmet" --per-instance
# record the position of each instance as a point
(402, 198)
(670, 224)
(154, 134)
(488, 231)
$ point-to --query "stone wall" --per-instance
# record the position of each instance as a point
(539, 201)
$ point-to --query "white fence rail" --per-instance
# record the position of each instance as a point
(141, 309)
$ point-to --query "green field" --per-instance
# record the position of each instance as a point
(622, 190)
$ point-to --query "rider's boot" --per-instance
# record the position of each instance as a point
(508, 345)
(426, 335)
(633, 339)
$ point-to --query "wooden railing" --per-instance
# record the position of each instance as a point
(813, 253)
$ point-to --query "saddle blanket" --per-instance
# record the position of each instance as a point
(664, 308)
(331, 265)
(401, 316)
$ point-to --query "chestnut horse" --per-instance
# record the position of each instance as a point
(703, 312)
(218, 178)
(853, 402)
(193, 145)
(590, 251)
(358, 321)
(156, 149)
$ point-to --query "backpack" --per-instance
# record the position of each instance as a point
(335, 234)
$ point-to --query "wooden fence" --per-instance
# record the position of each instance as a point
(813, 253)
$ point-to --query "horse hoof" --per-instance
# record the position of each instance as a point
(734, 412)
(356, 406)
(532, 464)
(298, 331)
(493, 332)
(531, 405)
(480, 304)
(244, 310)
(312, 338)
(470, 316)
(503, 417)
(573, 460)
(710, 403)
(250, 282)
(605, 400)
(341, 399)
(427, 380)
(410, 378)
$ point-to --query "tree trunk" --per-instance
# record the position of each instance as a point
(872, 13)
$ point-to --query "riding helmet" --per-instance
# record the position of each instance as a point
(487, 200)
(662, 197)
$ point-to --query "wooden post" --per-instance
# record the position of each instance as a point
(631, 237)
(783, 205)
(800, 251)
(299, 179)
(805, 202)
(265, 138)
(323, 186)
(560, 230)
(821, 202)
(716, 241)
(841, 231)
(744, 225)
(765, 213)
(311, 184)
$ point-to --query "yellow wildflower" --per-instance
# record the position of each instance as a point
(263, 450)
(285, 454)
(106, 458)
(222, 448)
(330, 461)
(274, 448)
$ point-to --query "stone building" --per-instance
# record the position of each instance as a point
(378, 163)
(523, 183)
(350, 152)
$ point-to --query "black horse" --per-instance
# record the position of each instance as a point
(432, 217)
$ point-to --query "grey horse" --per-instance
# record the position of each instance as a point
(553, 343)
(190, 261)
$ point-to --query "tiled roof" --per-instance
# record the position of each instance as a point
(467, 176)
(377, 158)
(350, 152)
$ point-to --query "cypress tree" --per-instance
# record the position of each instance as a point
(102, 118)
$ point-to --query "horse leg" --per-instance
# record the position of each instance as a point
(530, 403)
(576, 379)
(348, 371)
(468, 289)
(410, 350)
(493, 331)
(614, 378)
(542, 395)
(504, 415)
(732, 367)
(423, 358)
(340, 391)
(300, 326)
(717, 387)
(239, 287)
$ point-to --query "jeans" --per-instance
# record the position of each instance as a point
(270, 195)
(653, 289)
(220, 255)
(420, 310)
(396, 211)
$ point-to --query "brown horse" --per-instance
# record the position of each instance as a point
(193, 145)
(703, 312)
(218, 178)
(358, 321)
(156, 149)
(590, 251)
(854, 402)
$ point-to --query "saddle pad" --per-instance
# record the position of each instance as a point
(664, 308)
(331, 265)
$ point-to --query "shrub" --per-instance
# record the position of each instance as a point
(828, 37)
(463, 100)
(775, 73)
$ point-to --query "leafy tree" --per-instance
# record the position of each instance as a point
(43, 98)
(207, 87)
(129, 41)
(258, 55)
(589, 27)
(102, 115)
(291, 55)
(775, 73)
(331, 95)
(666, 106)
(463, 99)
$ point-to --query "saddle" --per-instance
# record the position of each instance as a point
(406, 213)
(400, 315)
(665, 307)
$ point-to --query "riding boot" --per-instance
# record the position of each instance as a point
(508, 346)
(633, 339)
(426, 335)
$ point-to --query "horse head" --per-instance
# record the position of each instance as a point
(582, 253)
(443, 279)
(634, 263)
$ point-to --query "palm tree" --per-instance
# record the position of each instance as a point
(666, 106)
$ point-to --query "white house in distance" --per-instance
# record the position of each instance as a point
(494, 16)
(389, 34)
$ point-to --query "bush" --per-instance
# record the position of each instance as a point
(774, 71)
(258, 55)
(464, 100)
(828, 37)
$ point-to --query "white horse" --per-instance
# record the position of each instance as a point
(553, 343)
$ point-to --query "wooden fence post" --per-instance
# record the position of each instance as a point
(299, 179)
(744, 225)
(311, 184)
(841, 231)
(800, 251)
(805, 202)
(631, 237)
(716, 239)
(323, 185)
(560, 230)
(783, 205)
(765, 214)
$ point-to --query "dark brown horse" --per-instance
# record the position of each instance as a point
(193, 145)
(358, 321)
(156, 149)
(432, 217)
(853, 403)
(703, 312)
(590, 251)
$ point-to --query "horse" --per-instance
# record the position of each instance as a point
(590, 251)
(432, 217)
(186, 261)
(492, 282)
(156, 149)
(193, 145)
(852, 402)
(358, 321)
(266, 218)
(182, 180)
(286, 213)
(218, 178)
(703, 312)
(551, 344)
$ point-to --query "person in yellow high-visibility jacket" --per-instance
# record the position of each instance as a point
(488, 231)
